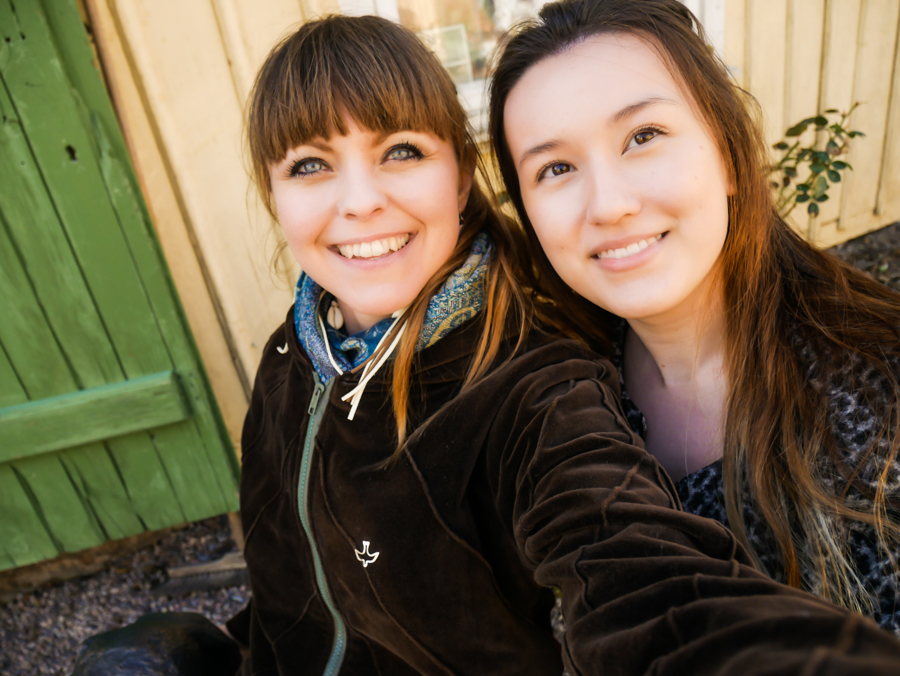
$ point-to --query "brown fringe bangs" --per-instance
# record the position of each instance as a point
(338, 68)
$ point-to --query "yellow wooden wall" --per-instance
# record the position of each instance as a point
(798, 57)
(180, 70)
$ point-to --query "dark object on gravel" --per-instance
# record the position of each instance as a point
(160, 644)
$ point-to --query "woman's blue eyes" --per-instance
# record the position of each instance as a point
(404, 151)
(307, 167)
(311, 166)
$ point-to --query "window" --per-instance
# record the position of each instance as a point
(464, 33)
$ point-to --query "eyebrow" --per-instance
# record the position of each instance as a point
(634, 108)
(624, 113)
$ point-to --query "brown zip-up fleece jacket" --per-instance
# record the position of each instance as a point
(441, 563)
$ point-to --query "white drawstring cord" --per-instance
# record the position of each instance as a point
(355, 395)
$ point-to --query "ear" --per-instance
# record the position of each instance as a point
(466, 176)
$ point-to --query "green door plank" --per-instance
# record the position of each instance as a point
(154, 498)
(78, 418)
(66, 155)
(192, 477)
(100, 488)
(23, 537)
(27, 338)
(11, 391)
(6, 561)
(48, 262)
(53, 492)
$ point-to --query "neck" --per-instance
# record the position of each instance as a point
(684, 344)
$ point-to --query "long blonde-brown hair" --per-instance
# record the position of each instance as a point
(781, 297)
(385, 79)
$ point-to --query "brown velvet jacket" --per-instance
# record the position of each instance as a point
(441, 562)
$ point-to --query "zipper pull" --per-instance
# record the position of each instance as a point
(314, 401)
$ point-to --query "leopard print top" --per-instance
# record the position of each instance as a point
(854, 419)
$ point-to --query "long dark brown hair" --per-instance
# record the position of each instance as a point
(385, 79)
(787, 305)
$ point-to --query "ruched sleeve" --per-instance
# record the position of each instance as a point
(647, 588)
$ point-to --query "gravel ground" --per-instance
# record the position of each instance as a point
(877, 253)
(40, 631)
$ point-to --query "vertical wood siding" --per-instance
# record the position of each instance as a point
(798, 57)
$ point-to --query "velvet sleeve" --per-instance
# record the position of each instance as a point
(647, 588)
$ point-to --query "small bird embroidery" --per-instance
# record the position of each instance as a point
(282, 350)
(365, 555)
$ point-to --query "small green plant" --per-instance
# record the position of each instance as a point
(824, 166)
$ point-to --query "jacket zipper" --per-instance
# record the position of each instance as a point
(316, 405)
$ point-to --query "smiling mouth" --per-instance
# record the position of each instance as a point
(374, 249)
(631, 249)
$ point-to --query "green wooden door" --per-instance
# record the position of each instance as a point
(107, 424)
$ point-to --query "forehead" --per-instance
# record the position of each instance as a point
(598, 76)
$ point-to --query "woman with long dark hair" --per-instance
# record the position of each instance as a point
(761, 372)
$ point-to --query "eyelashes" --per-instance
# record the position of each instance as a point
(645, 134)
(311, 166)
(403, 152)
(556, 167)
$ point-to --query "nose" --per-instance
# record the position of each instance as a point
(361, 197)
(612, 193)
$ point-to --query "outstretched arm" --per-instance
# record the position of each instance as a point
(647, 588)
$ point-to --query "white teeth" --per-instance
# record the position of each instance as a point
(374, 249)
(629, 250)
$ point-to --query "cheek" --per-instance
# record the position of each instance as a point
(548, 218)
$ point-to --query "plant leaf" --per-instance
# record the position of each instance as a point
(817, 167)
(838, 164)
(802, 198)
(820, 186)
(813, 209)
(790, 171)
(833, 176)
(781, 145)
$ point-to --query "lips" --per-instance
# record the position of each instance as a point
(375, 248)
(631, 249)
